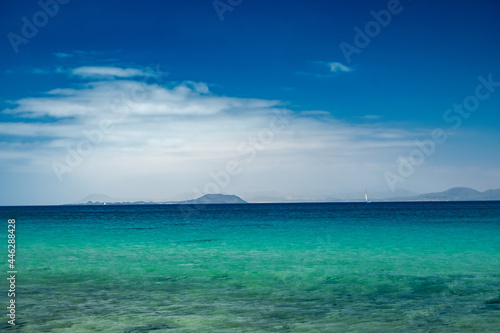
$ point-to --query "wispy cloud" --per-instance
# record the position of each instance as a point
(338, 67)
(99, 72)
(76, 54)
(326, 69)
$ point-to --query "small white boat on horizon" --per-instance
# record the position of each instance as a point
(366, 197)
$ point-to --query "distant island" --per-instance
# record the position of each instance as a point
(452, 194)
(203, 200)
(214, 199)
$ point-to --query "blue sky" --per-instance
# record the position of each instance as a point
(263, 103)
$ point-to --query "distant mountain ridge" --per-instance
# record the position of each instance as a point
(455, 194)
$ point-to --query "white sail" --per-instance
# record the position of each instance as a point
(366, 196)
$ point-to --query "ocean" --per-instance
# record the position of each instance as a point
(327, 267)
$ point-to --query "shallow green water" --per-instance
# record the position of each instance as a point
(400, 267)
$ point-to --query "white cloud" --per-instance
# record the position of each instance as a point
(333, 67)
(338, 67)
(98, 72)
(76, 54)
(139, 99)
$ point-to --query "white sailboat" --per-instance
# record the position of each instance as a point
(366, 197)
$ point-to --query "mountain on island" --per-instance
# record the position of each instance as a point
(214, 199)
(491, 194)
(102, 199)
(453, 194)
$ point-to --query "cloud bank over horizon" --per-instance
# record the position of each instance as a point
(144, 136)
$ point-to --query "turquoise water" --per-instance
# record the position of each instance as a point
(382, 267)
